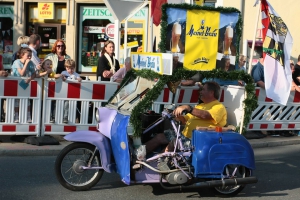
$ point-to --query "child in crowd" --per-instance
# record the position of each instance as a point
(69, 74)
(46, 69)
(23, 67)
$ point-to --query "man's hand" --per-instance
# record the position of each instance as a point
(4, 73)
(107, 74)
(178, 111)
(240, 82)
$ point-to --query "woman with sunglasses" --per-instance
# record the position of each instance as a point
(58, 56)
(107, 63)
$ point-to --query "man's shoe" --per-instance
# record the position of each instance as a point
(65, 121)
(16, 121)
(29, 121)
(52, 121)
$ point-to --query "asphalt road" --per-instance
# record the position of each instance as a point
(33, 178)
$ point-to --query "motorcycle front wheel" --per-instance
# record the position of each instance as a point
(230, 191)
(69, 163)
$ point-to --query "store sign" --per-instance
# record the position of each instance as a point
(96, 12)
(94, 29)
(104, 12)
(135, 31)
(46, 10)
(7, 11)
(110, 30)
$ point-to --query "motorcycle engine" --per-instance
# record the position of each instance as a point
(173, 178)
(176, 178)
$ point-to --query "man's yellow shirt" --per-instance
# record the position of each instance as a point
(216, 109)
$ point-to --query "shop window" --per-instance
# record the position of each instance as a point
(6, 35)
(92, 35)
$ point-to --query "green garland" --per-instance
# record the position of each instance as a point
(250, 102)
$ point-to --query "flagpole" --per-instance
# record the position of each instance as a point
(151, 33)
(253, 40)
(250, 61)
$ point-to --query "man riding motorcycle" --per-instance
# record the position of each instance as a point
(210, 113)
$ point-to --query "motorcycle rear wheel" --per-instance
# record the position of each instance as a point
(69, 163)
(230, 191)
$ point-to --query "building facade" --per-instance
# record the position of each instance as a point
(84, 25)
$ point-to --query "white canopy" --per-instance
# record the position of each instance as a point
(123, 10)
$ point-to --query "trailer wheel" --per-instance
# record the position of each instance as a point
(237, 171)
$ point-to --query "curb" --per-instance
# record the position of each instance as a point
(23, 149)
(264, 144)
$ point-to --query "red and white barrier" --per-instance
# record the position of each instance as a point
(190, 95)
(90, 94)
(10, 90)
(87, 93)
(270, 115)
(165, 98)
(186, 95)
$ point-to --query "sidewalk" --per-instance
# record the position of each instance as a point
(12, 148)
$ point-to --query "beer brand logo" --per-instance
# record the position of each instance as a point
(45, 7)
(202, 30)
(200, 60)
(147, 62)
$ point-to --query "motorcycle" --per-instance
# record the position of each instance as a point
(216, 159)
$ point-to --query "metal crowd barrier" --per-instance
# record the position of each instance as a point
(11, 89)
(85, 96)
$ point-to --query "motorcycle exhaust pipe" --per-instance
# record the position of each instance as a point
(214, 183)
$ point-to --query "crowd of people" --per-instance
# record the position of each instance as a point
(58, 64)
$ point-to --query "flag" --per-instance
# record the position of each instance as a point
(277, 46)
(156, 9)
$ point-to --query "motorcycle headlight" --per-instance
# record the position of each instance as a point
(97, 116)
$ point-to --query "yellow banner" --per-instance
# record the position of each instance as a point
(201, 47)
(199, 2)
(46, 10)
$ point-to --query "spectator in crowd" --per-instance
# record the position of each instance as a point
(296, 73)
(210, 113)
(69, 74)
(46, 69)
(23, 41)
(23, 67)
(120, 74)
(294, 85)
(241, 66)
(107, 63)
(257, 73)
(5, 74)
(227, 67)
(34, 45)
(58, 56)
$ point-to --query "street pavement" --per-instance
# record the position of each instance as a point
(9, 147)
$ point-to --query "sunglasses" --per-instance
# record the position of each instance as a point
(60, 46)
